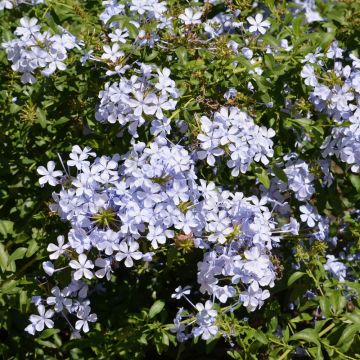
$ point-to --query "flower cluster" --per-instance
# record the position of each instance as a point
(141, 14)
(144, 10)
(336, 92)
(149, 197)
(130, 101)
(335, 268)
(34, 50)
(124, 210)
(10, 4)
(234, 133)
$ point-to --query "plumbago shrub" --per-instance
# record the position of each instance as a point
(180, 179)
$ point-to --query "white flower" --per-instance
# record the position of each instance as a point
(257, 24)
(48, 267)
(49, 175)
(180, 292)
(105, 265)
(59, 249)
(190, 17)
(78, 157)
(308, 74)
(112, 53)
(308, 215)
(85, 316)
(128, 251)
(82, 267)
(335, 268)
(119, 35)
(59, 300)
(43, 319)
(29, 27)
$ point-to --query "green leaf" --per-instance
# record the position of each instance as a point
(18, 254)
(297, 25)
(132, 29)
(302, 121)
(263, 177)
(280, 173)
(165, 339)
(325, 305)
(23, 300)
(61, 121)
(46, 343)
(4, 257)
(294, 277)
(181, 53)
(347, 337)
(156, 308)
(355, 181)
(6, 228)
(301, 318)
(261, 337)
(142, 339)
(307, 335)
(41, 117)
(48, 332)
(316, 352)
(152, 56)
(269, 61)
(33, 247)
(9, 287)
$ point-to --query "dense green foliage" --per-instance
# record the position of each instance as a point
(135, 312)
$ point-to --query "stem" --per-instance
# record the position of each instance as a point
(309, 272)
(285, 354)
(338, 351)
(178, 110)
(327, 329)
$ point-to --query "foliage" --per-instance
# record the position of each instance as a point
(312, 312)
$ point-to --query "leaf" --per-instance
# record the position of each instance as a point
(316, 352)
(269, 61)
(294, 277)
(48, 332)
(61, 121)
(156, 308)
(261, 337)
(23, 300)
(297, 25)
(132, 29)
(152, 56)
(33, 247)
(9, 287)
(353, 285)
(337, 301)
(181, 53)
(165, 339)
(280, 173)
(6, 228)
(307, 335)
(46, 343)
(302, 317)
(347, 337)
(4, 257)
(355, 181)
(354, 316)
(324, 303)
(263, 177)
(142, 339)
(41, 117)
(305, 122)
(18, 254)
